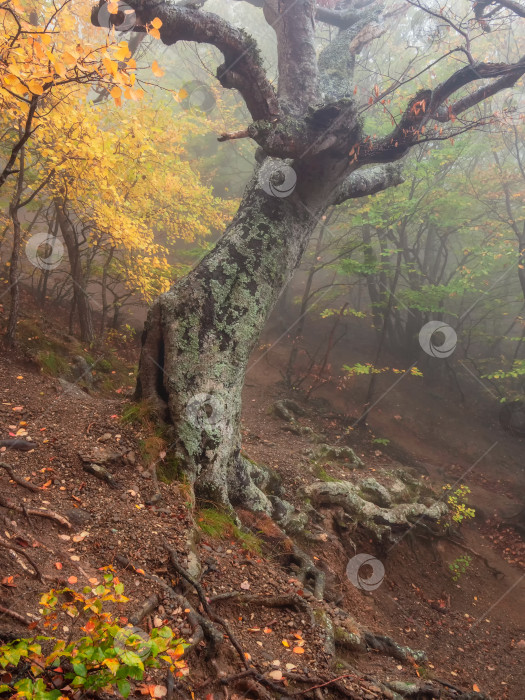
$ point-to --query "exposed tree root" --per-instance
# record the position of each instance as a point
(308, 572)
(202, 597)
(322, 683)
(18, 480)
(5, 503)
(19, 550)
(149, 606)
(386, 645)
(291, 600)
(380, 521)
(16, 616)
(203, 628)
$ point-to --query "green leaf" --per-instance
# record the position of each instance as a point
(124, 688)
(80, 670)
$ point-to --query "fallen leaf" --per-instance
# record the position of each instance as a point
(72, 580)
(298, 650)
(245, 585)
(58, 565)
(276, 675)
(285, 643)
(475, 687)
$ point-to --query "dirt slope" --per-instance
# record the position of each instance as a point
(469, 629)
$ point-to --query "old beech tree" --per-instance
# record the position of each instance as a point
(199, 336)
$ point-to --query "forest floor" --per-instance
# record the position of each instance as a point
(473, 629)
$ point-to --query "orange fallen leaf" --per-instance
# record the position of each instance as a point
(298, 650)
(58, 565)
(267, 630)
(72, 579)
(475, 687)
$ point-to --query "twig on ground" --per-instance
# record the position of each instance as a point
(15, 615)
(5, 503)
(18, 480)
(19, 550)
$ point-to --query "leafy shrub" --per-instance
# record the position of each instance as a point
(459, 566)
(458, 503)
(107, 656)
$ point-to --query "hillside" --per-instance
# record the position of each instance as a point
(257, 578)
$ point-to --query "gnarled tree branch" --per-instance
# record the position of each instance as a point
(294, 26)
(432, 105)
(362, 183)
(481, 7)
(242, 68)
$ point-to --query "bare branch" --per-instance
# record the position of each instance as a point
(362, 183)
(430, 105)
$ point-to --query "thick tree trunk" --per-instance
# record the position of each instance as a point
(199, 337)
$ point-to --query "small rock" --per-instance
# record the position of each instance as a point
(521, 645)
(105, 437)
(77, 516)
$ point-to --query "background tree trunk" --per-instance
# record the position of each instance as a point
(14, 268)
(80, 297)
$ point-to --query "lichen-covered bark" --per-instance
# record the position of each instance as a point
(200, 335)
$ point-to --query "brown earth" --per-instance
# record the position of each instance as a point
(470, 629)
